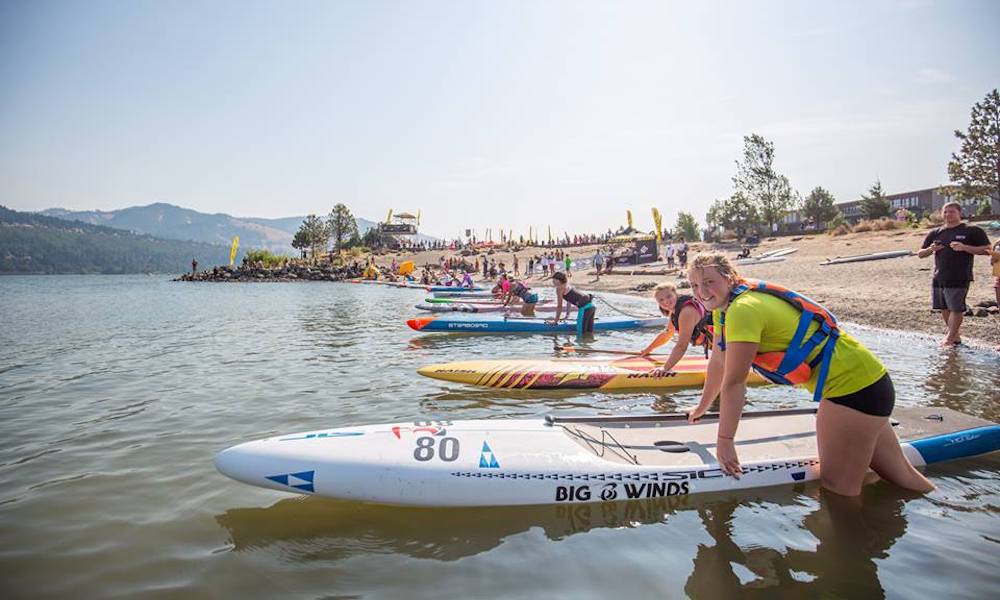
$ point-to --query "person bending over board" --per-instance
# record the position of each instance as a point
(583, 302)
(520, 290)
(688, 319)
(790, 339)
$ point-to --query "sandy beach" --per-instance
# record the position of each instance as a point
(890, 294)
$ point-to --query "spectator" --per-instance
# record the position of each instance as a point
(953, 245)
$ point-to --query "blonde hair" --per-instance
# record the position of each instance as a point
(717, 260)
(666, 285)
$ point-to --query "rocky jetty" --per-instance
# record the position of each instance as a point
(289, 272)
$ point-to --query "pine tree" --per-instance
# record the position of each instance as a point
(342, 226)
(874, 205)
(975, 168)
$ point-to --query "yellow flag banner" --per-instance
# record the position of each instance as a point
(388, 217)
(658, 223)
(418, 217)
(233, 249)
(550, 234)
(629, 213)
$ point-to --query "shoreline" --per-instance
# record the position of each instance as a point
(891, 294)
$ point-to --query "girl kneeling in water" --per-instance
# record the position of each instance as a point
(756, 327)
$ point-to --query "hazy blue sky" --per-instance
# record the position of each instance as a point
(478, 113)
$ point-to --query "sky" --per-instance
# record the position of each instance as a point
(508, 114)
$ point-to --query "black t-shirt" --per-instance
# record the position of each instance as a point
(951, 268)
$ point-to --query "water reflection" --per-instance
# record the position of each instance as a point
(334, 528)
(850, 534)
(958, 382)
(836, 540)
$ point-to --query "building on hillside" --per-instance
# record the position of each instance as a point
(920, 202)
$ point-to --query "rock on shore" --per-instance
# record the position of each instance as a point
(290, 272)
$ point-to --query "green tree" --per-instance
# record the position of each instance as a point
(818, 206)
(975, 168)
(769, 192)
(341, 226)
(735, 213)
(687, 227)
(300, 241)
(371, 239)
(312, 234)
(874, 205)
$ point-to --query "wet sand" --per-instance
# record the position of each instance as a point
(891, 294)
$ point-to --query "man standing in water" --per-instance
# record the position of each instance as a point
(995, 261)
(953, 246)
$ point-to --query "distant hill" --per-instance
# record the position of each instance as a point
(34, 243)
(176, 223)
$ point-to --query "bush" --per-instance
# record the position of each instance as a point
(863, 226)
(836, 221)
(841, 229)
(985, 209)
(932, 220)
(266, 258)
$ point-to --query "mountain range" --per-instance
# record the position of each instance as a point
(33, 243)
(177, 223)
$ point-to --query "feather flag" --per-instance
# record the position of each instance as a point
(233, 249)
(658, 222)
(629, 214)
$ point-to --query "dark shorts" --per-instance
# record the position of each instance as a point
(876, 400)
(585, 319)
(949, 298)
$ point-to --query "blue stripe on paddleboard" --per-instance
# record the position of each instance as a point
(959, 444)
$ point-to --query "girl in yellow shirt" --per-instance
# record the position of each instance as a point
(852, 424)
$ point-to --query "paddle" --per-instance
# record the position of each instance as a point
(568, 348)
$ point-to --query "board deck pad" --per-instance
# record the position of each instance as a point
(766, 438)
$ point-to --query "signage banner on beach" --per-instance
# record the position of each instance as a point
(640, 251)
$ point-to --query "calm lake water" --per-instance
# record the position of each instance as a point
(117, 392)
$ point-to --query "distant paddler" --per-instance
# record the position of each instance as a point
(790, 339)
(688, 319)
(584, 302)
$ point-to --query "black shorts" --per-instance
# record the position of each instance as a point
(876, 400)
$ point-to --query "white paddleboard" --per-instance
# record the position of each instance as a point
(557, 460)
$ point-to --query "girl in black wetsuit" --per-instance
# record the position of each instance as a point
(688, 319)
(583, 302)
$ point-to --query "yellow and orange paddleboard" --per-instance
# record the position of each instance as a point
(633, 372)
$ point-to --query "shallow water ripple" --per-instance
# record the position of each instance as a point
(116, 393)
